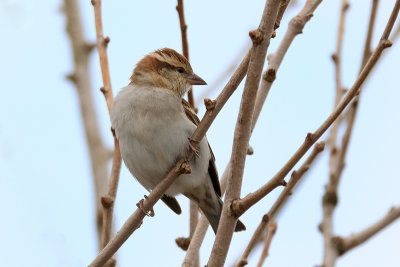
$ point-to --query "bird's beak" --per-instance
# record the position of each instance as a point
(193, 79)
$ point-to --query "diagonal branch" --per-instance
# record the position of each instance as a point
(272, 227)
(99, 154)
(343, 245)
(280, 202)
(240, 206)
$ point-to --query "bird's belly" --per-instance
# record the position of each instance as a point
(152, 147)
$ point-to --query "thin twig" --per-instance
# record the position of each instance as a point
(81, 79)
(109, 199)
(296, 26)
(272, 226)
(185, 45)
(345, 244)
(194, 213)
(135, 220)
(261, 39)
(240, 206)
(280, 202)
(337, 155)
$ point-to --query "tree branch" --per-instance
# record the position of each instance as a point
(280, 202)
(240, 206)
(337, 155)
(109, 199)
(185, 45)
(343, 245)
(272, 226)
(261, 38)
(80, 77)
(135, 220)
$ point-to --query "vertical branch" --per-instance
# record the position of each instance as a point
(337, 155)
(80, 77)
(194, 213)
(109, 199)
(331, 200)
(261, 38)
(185, 46)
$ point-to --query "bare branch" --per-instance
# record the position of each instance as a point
(185, 45)
(296, 26)
(345, 244)
(109, 199)
(280, 202)
(81, 79)
(337, 156)
(240, 206)
(272, 226)
(261, 38)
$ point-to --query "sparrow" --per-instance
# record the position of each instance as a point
(153, 124)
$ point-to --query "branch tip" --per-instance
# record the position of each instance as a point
(256, 36)
(320, 146)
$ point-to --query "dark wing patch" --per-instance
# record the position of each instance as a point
(212, 169)
(172, 203)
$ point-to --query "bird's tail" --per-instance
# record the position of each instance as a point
(213, 219)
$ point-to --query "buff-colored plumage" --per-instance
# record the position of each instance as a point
(153, 124)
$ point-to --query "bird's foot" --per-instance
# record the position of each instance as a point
(149, 213)
(193, 148)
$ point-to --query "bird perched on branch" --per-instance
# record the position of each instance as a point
(153, 124)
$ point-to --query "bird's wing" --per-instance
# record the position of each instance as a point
(212, 169)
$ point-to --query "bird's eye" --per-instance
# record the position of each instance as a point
(180, 70)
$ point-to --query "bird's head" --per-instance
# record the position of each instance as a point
(166, 68)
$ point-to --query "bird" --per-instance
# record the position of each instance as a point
(153, 124)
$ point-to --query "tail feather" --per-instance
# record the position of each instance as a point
(213, 219)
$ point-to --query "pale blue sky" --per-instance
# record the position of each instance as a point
(45, 182)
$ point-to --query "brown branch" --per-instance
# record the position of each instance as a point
(240, 206)
(343, 245)
(81, 79)
(109, 199)
(194, 213)
(260, 100)
(185, 46)
(135, 220)
(337, 155)
(282, 8)
(272, 226)
(280, 202)
(296, 26)
(261, 38)
(337, 59)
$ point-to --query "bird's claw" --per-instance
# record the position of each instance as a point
(195, 150)
(149, 213)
